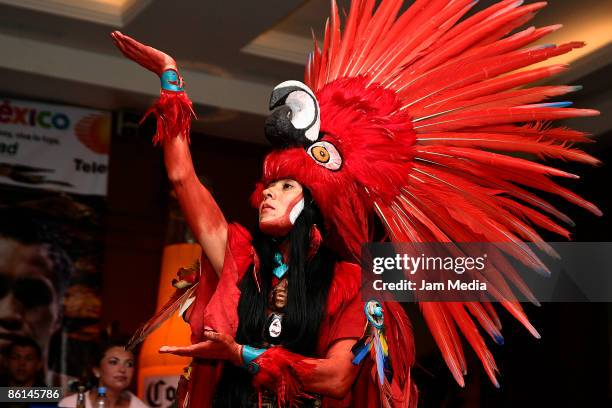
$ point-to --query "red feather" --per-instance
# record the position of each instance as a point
(280, 371)
(494, 116)
(438, 325)
(507, 143)
(462, 73)
(495, 159)
(538, 129)
(477, 310)
(174, 112)
(452, 48)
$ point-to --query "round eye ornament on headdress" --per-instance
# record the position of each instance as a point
(295, 119)
(325, 154)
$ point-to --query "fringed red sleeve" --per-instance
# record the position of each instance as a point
(281, 370)
(173, 111)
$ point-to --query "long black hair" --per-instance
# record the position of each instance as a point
(308, 286)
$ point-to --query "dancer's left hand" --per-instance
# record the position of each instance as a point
(217, 346)
(148, 57)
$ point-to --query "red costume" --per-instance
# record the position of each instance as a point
(216, 307)
(406, 118)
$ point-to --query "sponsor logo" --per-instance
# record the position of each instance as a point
(94, 132)
(160, 394)
(20, 115)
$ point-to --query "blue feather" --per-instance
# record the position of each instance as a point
(563, 104)
(361, 353)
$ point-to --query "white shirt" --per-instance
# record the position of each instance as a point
(70, 401)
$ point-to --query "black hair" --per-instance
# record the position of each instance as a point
(308, 286)
(24, 342)
(39, 377)
(107, 344)
(87, 377)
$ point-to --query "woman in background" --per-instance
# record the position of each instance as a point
(114, 370)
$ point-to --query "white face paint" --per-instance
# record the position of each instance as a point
(296, 211)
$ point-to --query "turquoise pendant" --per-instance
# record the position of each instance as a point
(282, 268)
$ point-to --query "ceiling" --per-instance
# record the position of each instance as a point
(231, 53)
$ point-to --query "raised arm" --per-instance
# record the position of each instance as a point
(199, 207)
(173, 110)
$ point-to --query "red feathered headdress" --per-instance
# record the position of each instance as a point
(363, 154)
(418, 112)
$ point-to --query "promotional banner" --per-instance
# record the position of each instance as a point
(54, 147)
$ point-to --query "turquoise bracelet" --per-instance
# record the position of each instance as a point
(248, 355)
(170, 81)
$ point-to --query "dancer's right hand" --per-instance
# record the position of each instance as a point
(152, 59)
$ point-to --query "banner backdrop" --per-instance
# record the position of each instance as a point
(51, 252)
(52, 242)
(54, 147)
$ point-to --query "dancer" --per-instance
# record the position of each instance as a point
(404, 119)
